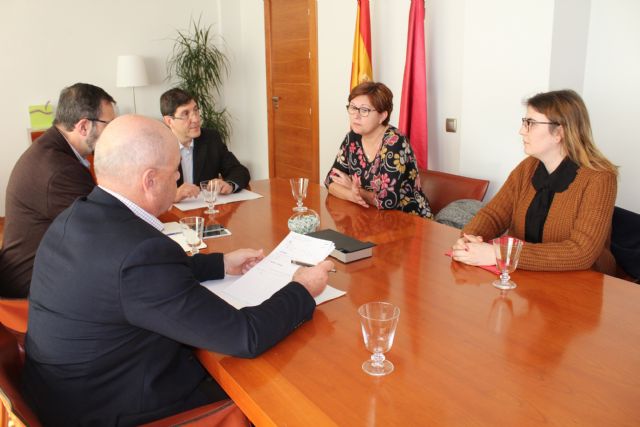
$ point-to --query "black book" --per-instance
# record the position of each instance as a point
(347, 248)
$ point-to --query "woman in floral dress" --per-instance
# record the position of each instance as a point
(375, 165)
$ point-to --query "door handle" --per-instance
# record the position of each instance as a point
(276, 101)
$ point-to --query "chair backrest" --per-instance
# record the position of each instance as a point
(442, 188)
(625, 241)
(14, 408)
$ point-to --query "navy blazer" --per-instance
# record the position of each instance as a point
(212, 158)
(115, 307)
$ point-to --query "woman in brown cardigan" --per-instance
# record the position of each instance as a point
(559, 200)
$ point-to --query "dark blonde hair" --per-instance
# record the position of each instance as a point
(380, 96)
(567, 109)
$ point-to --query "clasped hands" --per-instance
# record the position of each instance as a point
(470, 249)
(353, 184)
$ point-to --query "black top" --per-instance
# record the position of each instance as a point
(546, 185)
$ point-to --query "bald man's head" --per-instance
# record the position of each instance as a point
(132, 157)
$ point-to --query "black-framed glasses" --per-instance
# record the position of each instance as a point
(364, 111)
(527, 123)
(98, 120)
(186, 115)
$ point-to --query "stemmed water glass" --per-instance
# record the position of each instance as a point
(192, 230)
(379, 321)
(210, 190)
(507, 251)
(299, 191)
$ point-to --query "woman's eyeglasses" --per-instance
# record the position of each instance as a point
(527, 123)
(364, 111)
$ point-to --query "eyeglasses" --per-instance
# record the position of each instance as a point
(98, 120)
(364, 111)
(186, 115)
(527, 123)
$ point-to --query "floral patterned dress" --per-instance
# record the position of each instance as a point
(392, 175)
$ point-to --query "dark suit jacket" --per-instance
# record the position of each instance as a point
(115, 306)
(47, 178)
(212, 158)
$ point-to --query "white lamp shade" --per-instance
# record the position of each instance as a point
(131, 71)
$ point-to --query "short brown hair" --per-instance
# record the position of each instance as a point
(380, 96)
(172, 99)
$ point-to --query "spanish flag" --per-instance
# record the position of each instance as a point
(361, 70)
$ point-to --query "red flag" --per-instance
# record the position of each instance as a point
(361, 70)
(413, 105)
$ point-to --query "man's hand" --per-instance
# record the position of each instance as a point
(314, 279)
(224, 186)
(186, 190)
(242, 260)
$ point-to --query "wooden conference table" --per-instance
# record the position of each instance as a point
(561, 349)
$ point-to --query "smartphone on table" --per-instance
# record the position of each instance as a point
(215, 230)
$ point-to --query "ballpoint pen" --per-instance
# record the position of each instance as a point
(306, 264)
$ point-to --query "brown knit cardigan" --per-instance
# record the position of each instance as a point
(577, 231)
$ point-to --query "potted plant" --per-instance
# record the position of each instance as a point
(199, 66)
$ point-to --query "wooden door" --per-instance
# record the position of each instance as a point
(292, 88)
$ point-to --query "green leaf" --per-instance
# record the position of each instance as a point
(198, 66)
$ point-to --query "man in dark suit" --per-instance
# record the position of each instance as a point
(203, 154)
(116, 306)
(47, 178)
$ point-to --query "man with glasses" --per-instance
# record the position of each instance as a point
(48, 177)
(203, 154)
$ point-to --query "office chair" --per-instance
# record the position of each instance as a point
(442, 188)
(15, 411)
(625, 241)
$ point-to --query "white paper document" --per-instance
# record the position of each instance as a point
(274, 272)
(174, 230)
(198, 202)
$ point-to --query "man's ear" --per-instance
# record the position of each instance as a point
(167, 120)
(149, 177)
(83, 127)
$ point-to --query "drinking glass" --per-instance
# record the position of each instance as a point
(379, 321)
(299, 191)
(507, 251)
(210, 190)
(192, 229)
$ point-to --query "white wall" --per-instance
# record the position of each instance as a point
(484, 58)
(503, 60)
(245, 93)
(45, 46)
(612, 89)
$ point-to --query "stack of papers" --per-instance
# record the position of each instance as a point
(274, 272)
(198, 202)
(174, 230)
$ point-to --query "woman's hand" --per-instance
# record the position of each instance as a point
(351, 185)
(356, 193)
(341, 178)
(470, 249)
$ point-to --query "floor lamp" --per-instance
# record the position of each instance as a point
(131, 73)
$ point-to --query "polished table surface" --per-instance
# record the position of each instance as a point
(561, 349)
